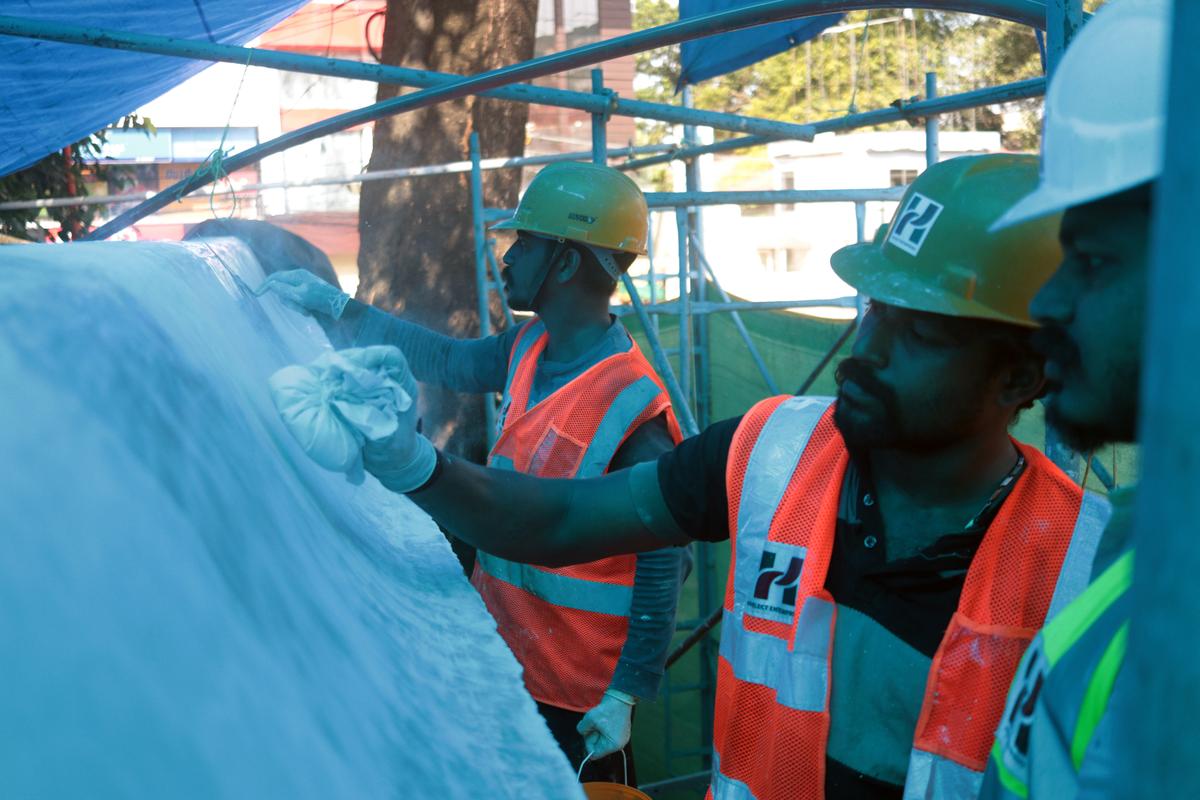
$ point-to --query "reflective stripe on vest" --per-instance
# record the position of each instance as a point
(567, 625)
(561, 590)
(724, 788)
(779, 619)
(1068, 673)
(932, 776)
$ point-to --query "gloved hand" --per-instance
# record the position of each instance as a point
(301, 288)
(607, 727)
(405, 460)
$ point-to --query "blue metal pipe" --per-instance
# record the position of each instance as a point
(686, 420)
(769, 197)
(481, 270)
(931, 122)
(599, 121)
(381, 73)
(899, 111)
(1023, 11)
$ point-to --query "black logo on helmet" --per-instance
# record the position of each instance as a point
(914, 223)
(581, 218)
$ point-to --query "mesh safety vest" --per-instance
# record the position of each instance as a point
(567, 625)
(1061, 693)
(774, 673)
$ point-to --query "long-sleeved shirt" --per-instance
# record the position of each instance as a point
(481, 365)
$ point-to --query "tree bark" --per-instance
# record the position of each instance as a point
(416, 257)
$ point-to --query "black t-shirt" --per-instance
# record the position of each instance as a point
(914, 598)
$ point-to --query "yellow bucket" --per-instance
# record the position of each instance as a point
(602, 790)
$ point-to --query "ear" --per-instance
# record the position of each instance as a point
(567, 266)
(1023, 382)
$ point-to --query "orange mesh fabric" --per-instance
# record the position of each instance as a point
(777, 751)
(569, 655)
(1004, 602)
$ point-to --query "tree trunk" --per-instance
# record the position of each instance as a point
(416, 257)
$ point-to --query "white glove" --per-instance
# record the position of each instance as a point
(335, 405)
(404, 460)
(301, 288)
(607, 727)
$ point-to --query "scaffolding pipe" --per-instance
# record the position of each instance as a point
(481, 271)
(380, 73)
(599, 121)
(737, 323)
(900, 111)
(931, 122)
(683, 306)
(687, 421)
(1024, 11)
(452, 167)
(1064, 18)
(772, 197)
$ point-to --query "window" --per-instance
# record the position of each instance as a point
(903, 177)
(795, 258)
(766, 257)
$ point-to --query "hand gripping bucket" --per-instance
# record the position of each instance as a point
(603, 790)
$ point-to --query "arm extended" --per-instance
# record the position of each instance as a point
(548, 521)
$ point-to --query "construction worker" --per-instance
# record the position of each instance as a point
(1102, 152)
(893, 551)
(579, 400)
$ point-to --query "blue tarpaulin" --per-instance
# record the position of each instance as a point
(54, 94)
(717, 55)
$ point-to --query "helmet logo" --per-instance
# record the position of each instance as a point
(913, 223)
(581, 218)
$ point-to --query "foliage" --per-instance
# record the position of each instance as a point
(863, 68)
(63, 174)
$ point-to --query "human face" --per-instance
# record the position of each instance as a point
(916, 381)
(1092, 312)
(526, 264)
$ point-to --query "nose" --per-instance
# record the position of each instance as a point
(874, 339)
(510, 255)
(1053, 302)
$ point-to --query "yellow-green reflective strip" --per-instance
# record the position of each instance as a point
(1008, 780)
(1064, 630)
(1095, 698)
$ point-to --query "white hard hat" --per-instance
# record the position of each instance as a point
(1105, 110)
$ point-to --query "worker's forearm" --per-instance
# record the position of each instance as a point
(538, 520)
(464, 365)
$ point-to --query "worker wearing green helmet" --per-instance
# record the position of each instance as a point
(579, 401)
(893, 549)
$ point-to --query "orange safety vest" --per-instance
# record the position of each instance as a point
(775, 668)
(567, 625)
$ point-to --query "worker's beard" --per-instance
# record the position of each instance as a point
(873, 424)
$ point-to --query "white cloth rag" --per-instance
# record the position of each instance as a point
(332, 405)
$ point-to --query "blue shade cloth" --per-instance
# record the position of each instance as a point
(54, 94)
(717, 55)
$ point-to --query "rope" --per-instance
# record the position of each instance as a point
(862, 48)
(213, 164)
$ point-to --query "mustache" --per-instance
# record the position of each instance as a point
(1054, 344)
(860, 372)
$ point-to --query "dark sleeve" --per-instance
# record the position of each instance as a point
(656, 583)
(464, 365)
(692, 481)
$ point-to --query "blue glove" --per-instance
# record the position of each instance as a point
(405, 460)
(301, 288)
(608, 726)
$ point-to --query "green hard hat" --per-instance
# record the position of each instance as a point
(938, 254)
(587, 203)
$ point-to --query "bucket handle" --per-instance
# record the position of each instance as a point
(624, 765)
